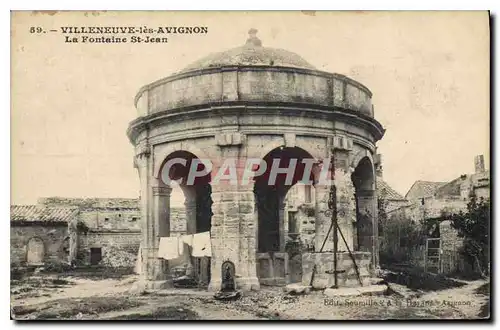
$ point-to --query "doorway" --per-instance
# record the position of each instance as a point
(36, 251)
(95, 256)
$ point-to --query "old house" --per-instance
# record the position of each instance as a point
(80, 231)
(39, 234)
(108, 230)
(427, 214)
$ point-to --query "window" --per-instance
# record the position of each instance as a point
(134, 219)
(106, 219)
(308, 194)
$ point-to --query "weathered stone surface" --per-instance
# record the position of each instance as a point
(323, 275)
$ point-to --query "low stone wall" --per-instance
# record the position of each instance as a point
(119, 249)
(324, 277)
(56, 247)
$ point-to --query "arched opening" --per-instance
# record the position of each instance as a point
(285, 167)
(364, 185)
(228, 272)
(35, 251)
(195, 191)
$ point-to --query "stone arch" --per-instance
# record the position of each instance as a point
(270, 197)
(270, 146)
(363, 179)
(161, 153)
(197, 203)
(299, 143)
(358, 154)
(35, 250)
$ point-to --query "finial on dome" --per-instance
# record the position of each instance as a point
(253, 40)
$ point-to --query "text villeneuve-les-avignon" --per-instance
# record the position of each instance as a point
(126, 34)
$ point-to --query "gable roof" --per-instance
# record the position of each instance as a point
(35, 213)
(384, 188)
(422, 189)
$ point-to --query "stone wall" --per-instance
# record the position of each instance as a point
(255, 84)
(84, 203)
(323, 276)
(53, 236)
(114, 218)
(119, 248)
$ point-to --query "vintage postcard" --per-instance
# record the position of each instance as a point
(295, 165)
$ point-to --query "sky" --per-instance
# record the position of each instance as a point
(71, 103)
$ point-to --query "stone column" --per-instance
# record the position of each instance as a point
(281, 215)
(367, 205)
(190, 205)
(323, 219)
(233, 221)
(346, 207)
(153, 275)
(346, 203)
(161, 213)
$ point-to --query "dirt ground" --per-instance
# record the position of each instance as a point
(81, 296)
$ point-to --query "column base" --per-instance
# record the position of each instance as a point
(242, 284)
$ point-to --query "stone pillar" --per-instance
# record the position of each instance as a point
(368, 233)
(281, 218)
(161, 219)
(323, 219)
(190, 205)
(346, 207)
(234, 224)
(154, 205)
(346, 203)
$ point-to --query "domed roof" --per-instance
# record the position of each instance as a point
(252, 53)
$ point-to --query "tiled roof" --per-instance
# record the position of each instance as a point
(90, 203)
(32, 213)
(384, 189)
(423, 189)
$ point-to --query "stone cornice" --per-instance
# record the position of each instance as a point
(250, 108)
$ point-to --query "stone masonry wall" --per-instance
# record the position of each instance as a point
(323, 276)
(52, 236)
(119, 249)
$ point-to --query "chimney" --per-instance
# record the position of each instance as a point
(479, 163)
(378, 165)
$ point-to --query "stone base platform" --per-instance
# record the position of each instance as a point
(347, 277)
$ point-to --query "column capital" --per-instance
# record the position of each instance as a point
(142, 153)
(162, 191)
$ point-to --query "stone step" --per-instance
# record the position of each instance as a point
(351, 292)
